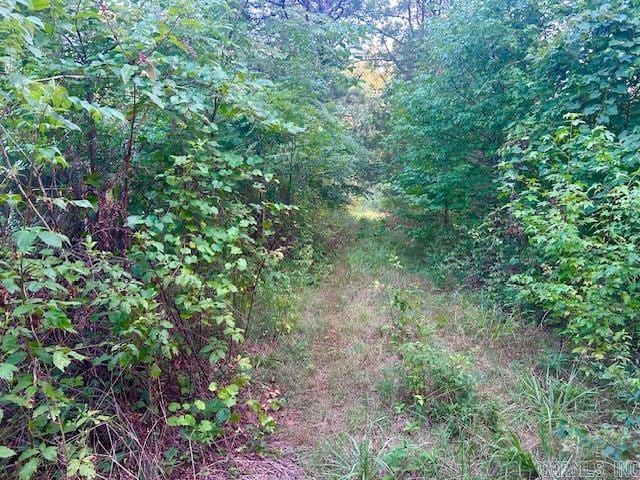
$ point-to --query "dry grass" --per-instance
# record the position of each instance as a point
(252, 467)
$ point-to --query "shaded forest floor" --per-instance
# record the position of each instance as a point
(490, 393)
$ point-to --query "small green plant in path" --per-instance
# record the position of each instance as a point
(437, 384)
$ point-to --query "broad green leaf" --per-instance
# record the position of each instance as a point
(154, 98)
(133, 220)
(6, 452)
(25, 239)
(126, 72)
(26, 308)
(49, 453)
(58, 319)
(29, 468)
(40, 4)
(87, 469)
(11, 199)
(7, 370)
(155, 371)
(52, 239)
(81, 203)
(205, 426)
(61, 360)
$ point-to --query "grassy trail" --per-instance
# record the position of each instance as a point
(337, 368)
(334, 385)
(385, 377)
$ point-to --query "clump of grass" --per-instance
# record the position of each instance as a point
(553, 399)
(491, 323)
(350, 458)
(467, 314)
(513, 459)
(554, 362)
(371, 256)
(388, 386)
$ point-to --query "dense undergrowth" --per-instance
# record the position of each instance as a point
(173, 184)
(416, 381)
(464, 388)
(159, 160)
(515, 144)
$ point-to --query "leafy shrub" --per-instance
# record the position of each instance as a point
(407, 320)
(79, 324)
(437, 383)
(577, 202)
(137, 221)
(279, 312)
(556, 232)
(407, 461)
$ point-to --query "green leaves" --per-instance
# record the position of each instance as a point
(62, 357)
(6, 371)
(38, 5)
(110, 110)
(26, 238)
(553, 228)
(53, 239)
(61, 360)
(56, 318)
(82, 204)
(155, 371)
(155, 99)
(29, 468)
(49, 453)
(578, 222)
(228, 394)
(6, 452)
(127, 72)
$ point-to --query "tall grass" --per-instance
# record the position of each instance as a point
(351, 458)
(553, 399)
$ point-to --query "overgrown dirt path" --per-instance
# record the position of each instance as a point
(336, 364)
(344, 361)
(346, 409)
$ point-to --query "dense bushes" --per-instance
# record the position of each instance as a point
(517, 146)
(149, 161)
(575, 198)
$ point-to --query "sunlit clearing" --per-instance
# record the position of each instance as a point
(363, 208)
